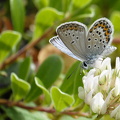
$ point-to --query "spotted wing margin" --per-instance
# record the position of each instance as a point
(57, 42)
(99, 37)
(73, 35)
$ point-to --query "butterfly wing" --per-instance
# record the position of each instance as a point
(57, 42)
(99, 37)
(73, 35)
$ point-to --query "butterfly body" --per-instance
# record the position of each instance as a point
(87, 46)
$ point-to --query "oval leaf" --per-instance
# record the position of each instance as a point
(69, 82)
(45, 18)
(61, 100)
(24, 68)
(34, 92)
(49, 71)
(19, 87)
(8, 42)
(16, 113)
(45, 91)
(17, 14)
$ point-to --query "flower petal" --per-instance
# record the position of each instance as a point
(117, 87)
(88, 97)
(81, 93)
(97, 103)
(106, 64)
(116, 113)
(117, 65)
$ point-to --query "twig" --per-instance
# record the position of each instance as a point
(12, 58)
(48, 110)
(116, 41)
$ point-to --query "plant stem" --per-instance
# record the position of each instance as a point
(48, 110)
(12, 58)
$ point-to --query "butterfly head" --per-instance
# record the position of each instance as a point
(84, 65)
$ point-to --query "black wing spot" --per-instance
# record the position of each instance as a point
(72, 42)
(104, 46)
(89, 39)
(108, 39)
(95, 39)
(98, 47)
(73, 35)
(95, 45)
(96, 31)
(77, 37)
(100, 40)
(65, 34)
(93, 34)
(69, 33)
(89, 46)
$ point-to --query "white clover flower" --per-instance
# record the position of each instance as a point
(101, 88)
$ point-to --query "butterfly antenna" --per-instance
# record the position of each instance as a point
(73, 71)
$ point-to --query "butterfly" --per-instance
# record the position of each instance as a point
(87, 46)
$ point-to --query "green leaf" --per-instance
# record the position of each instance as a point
(57, 5)
(70, 84)
(50, 70)
(81, 3)
(67, 6)
(5, 80)
(88, 13)
(24, 68)
(17, 14)
(61, 100)
(15, 113)
(77, 83)
(44, 19)
(69, 81)
(36, 89)
(45, 91)
(115, 19)
(34, 92)
(41, 3)
(8, 42)
(19, 87)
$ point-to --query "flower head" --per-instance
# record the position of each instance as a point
(101, 88)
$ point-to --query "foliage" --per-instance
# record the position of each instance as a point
(37, 86)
